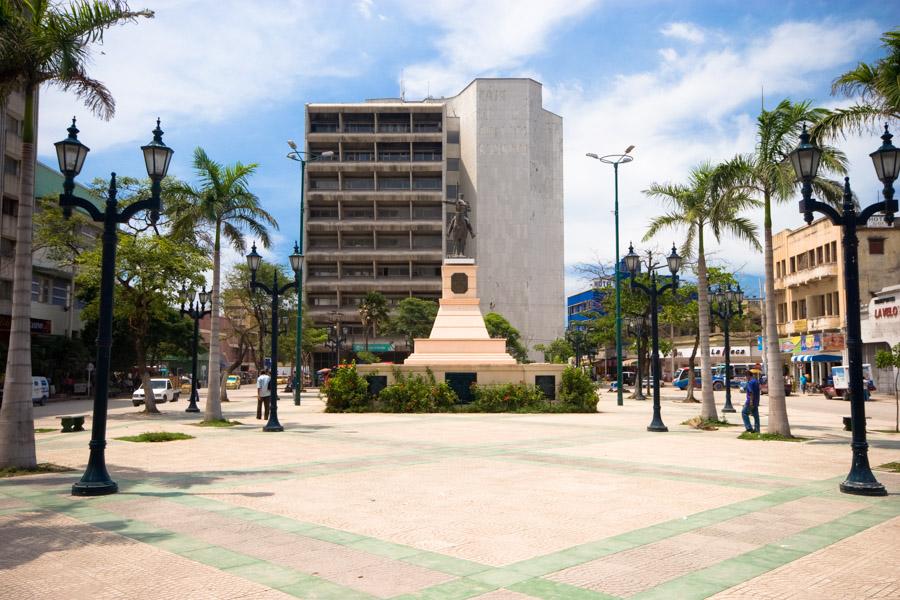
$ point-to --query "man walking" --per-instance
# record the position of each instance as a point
(751, 404)
(263, 390)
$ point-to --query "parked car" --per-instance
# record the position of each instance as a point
(163, 391)
(40, 390)
(233, 382)
(831, 392)
(681, 378)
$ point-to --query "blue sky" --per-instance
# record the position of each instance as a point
(681, 80)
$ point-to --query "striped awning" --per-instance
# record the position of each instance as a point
(817, 358)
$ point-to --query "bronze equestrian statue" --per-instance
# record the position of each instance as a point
(460, 227)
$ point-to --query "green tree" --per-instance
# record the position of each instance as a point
(42, 43)
(222, 205)
(373, 312)
(890, 359)
(877, 88)
(559, 351)
(771, 178)
(147, 267)
(411, 319)
(498, 327)
(713, 199)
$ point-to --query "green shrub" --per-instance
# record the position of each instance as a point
(346, 391)
(156, 436)
(367, 357)
(416, 393)
(577, 392)
(509, 397)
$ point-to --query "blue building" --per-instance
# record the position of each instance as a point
(578, 306)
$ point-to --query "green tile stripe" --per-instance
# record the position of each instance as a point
(737, 570)
(459, 589)
(289, 581)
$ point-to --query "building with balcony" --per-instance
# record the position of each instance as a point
(376, 208)
(809, 286)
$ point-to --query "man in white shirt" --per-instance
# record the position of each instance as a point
(263, 391)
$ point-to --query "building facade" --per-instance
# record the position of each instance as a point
(809, 288)
(880, 326)
(377, 208)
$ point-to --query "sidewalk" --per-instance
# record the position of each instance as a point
(455, 506)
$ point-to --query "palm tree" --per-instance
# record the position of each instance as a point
(41, 42)
(770, 176)
(712, 199)
(373, 310)
(223, 205)
(876, 85)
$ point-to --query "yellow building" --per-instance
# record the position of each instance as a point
(809, 287)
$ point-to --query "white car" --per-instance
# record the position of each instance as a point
(40, 390)
(163, 391)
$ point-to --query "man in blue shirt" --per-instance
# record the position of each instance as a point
(751, 405)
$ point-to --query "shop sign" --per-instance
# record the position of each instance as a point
(39, 326)
(887, 312)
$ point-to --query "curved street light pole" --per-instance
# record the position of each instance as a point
(886, 159)
(724, 311)
(615, 160)
(71, 153)
(297, 155)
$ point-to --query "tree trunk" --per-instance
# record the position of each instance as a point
(17, 413)
(691, 362)
(213, 407)
(708, 407)
(223, 389)
(778, 418)
(149, 398)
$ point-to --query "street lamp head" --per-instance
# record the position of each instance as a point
(253, 260)
(292, 144)
(183, 294)
(730, 295)
(629, 149)
(805, 158)
(674, 261)
(592, 155)
(204, 296)
(157, 155)
(739, 295)
(296, 259)
(632, 261)
(70, 153)
(886, 159)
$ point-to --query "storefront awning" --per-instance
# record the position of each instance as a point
(817, 358)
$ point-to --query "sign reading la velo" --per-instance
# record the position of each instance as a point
(887, 312)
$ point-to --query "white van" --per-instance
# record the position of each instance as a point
(40, 390)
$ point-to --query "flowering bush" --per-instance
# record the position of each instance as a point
(416, 393)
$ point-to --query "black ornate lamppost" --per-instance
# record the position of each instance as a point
(724, 298)
(638, 326)
(196, 312)
(337, 335)
(653, 292)
(71, 154)
(805, 160)
(253, 261)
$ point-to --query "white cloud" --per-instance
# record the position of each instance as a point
(684, 31)
(364, 7)
(191, 69)
(699, 107)
(483, 38)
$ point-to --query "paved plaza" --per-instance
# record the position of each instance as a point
(487, 506)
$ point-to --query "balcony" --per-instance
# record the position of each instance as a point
(806, 276)
(824, 322)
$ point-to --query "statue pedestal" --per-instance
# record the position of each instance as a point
(458, 335)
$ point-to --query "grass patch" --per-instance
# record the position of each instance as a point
(770, 437)
(40, 468)
(894, 467)
(44, 430)
(217, 423)
(707, 424)
(156, 436)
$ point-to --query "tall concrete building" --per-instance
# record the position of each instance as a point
(377, 208)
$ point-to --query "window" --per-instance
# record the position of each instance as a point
(323, 241)
(793, 265)
(428, 270)
(452, 192)
(801, 306)
(360, 270)
(358, 212)
(837, 303)
(359, 156)
(10, 207)
(6, 289)
(393, 183)
(13, 125)
(393, 155)
(324, 300)
(326, 270)
(427, 212)
(40, 289)
(819, 255)
(323, 184)
(812, 258)
(398, 270)
(876, 245)
(452, 137)
(386, 241)
(326, 212)
(834, 255)
(794, 312)
(427, 183)
(778, 269)
(12, 166)
(427, 241)
(7, 247)
(60, 293)
(359, 183)
(393, 211)
(357, 241)
(453, 164)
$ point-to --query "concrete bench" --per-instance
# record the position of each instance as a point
(72, 423)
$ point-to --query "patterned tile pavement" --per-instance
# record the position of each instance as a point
(498, 507)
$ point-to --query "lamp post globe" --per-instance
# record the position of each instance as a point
(253, 260)
(157, 155)
(70, 152)
(632, 261)
(204, 296)
(674, 261)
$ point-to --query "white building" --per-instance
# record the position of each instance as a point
(880, 325)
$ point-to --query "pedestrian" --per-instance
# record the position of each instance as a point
(803, 383)
(751, 404)
(263, 391)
